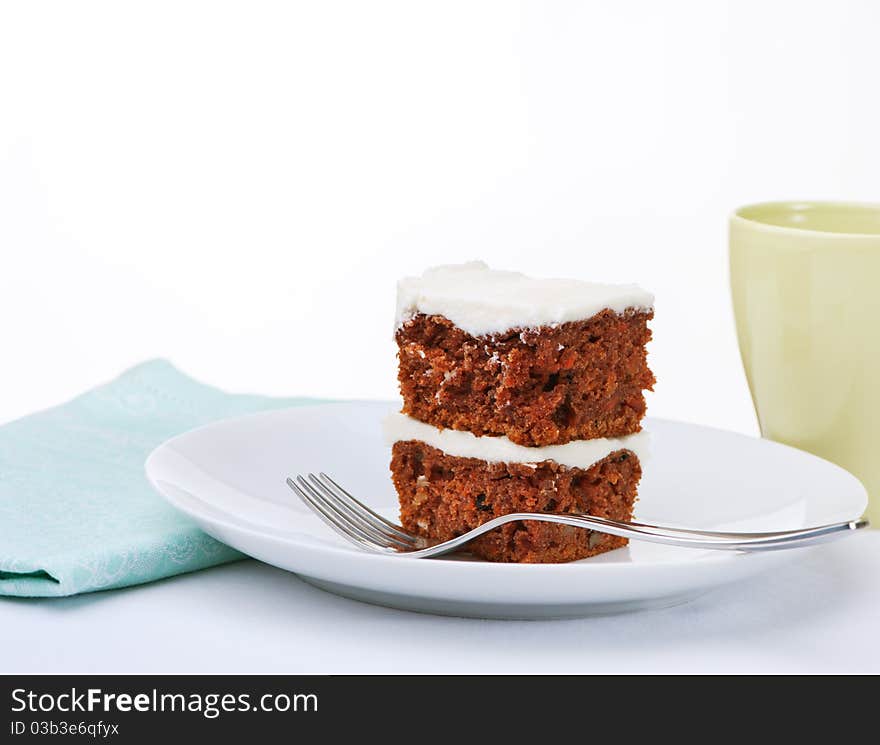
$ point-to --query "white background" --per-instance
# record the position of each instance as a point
(237, 186)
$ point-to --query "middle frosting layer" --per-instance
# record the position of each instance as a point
(575, 454)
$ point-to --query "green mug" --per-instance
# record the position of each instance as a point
(805, 278)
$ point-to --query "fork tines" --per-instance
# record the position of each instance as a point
(349, 517)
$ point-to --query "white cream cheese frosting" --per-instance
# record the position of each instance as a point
(575, 454)
(480, 300)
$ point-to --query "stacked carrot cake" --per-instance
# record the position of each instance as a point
(519, 395)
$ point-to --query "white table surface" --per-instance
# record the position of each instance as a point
(818, 614)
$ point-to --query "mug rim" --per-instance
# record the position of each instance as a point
(803, 204)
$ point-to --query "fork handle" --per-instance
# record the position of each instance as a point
(701, 539)
(730, 541)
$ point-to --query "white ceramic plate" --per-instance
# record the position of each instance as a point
(229, 477)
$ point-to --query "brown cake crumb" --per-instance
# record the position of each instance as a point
(443, 496)
(543, 386)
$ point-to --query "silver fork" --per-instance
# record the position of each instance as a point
(357, 523)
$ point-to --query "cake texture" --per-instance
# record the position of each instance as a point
(519, 395)
(443, 496)
(541, 386)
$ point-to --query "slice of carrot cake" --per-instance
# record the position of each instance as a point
(541, 361)
(449, 482)
(519, 395)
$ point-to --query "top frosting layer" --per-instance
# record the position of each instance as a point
(480, 300)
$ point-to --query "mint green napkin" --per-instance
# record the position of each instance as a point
(77, 513)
